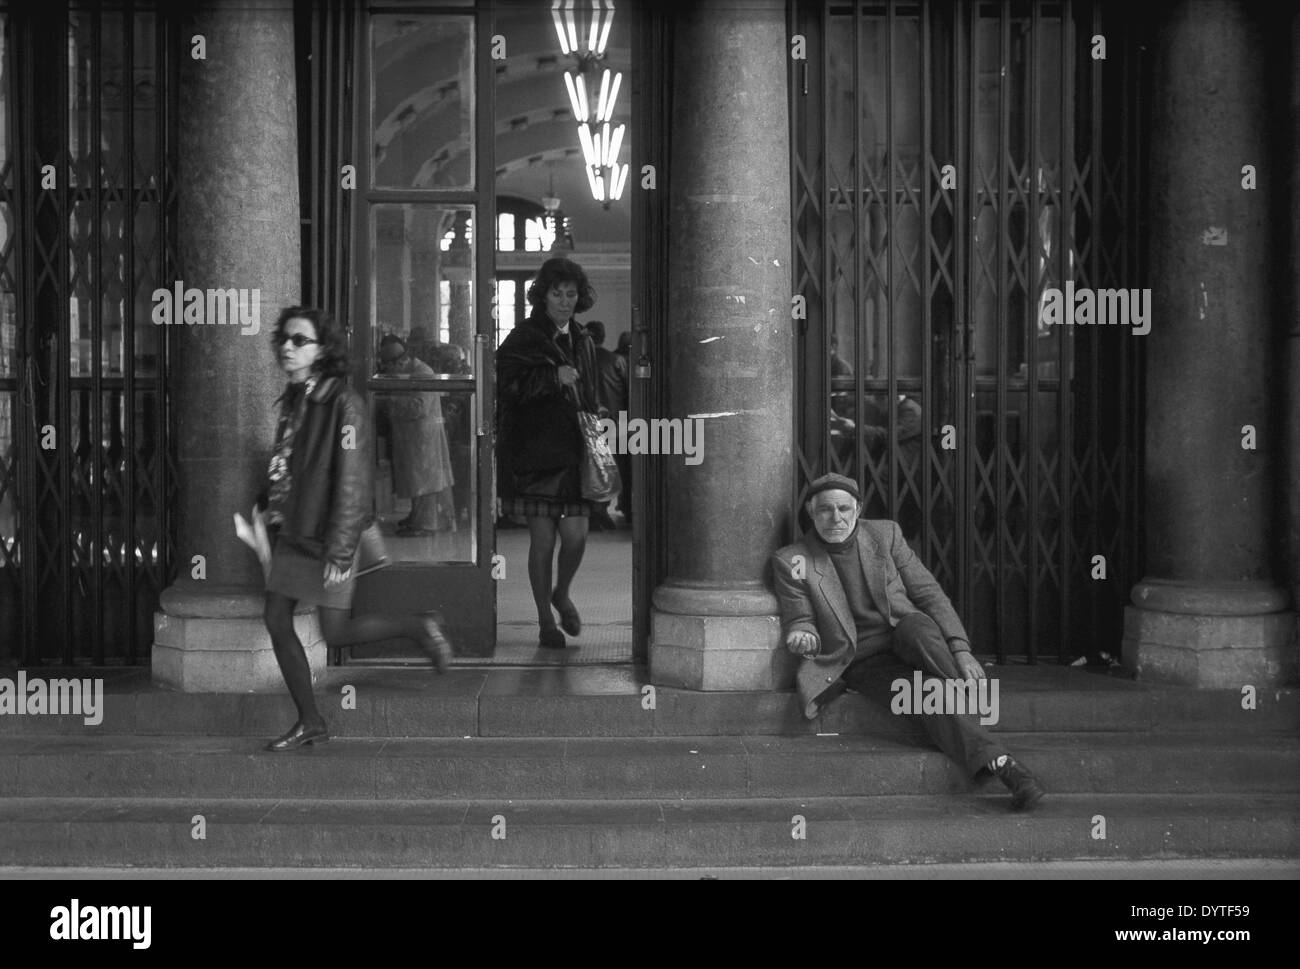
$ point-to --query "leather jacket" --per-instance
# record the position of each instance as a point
(331, 499)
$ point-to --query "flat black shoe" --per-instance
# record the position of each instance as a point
(551, 638)
(570, 621)
(1025, 789)
(299, 736)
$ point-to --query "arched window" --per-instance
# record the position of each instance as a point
(522, 226)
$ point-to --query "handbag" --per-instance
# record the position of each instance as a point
(599, 472)
(372, 553)
(599, 481)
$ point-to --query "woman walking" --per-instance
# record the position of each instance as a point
(319, 501)
(546, 371)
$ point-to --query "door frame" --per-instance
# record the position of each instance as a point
(463, 591)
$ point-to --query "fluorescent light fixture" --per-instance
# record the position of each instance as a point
(573, 97)
(618, 179)
(609, 22)
(588, 149)
(604, 96)
(585, 112)
(597, 184)
(613, 96)
(595, 25)
(559, 28)
(616, 144)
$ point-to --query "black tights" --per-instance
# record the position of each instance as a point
(542, 531)
(339, 629)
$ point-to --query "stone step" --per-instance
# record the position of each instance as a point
(645, 834)
(611, 702)
(621, 768)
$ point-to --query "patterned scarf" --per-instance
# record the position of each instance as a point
(293, 405)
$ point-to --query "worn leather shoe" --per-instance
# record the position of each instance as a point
(1024, 786)
(436, 646)
(298, 736)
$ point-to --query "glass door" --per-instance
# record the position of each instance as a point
(423, 291)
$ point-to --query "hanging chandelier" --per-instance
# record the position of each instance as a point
(558, 234)
(583, 33)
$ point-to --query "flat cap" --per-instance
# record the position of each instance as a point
(834, 482)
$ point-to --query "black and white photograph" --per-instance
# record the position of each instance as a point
(578, 440)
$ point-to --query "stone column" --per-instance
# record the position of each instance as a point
(715, 623)
(1209, 613)
(239, 229)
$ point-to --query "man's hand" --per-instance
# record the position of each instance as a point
(803, 644)
(969, 666)
(568, 375)
(334, 575)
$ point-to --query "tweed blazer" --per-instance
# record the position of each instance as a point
(812, 600)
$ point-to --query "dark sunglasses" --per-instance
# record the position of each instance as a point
(297, 339)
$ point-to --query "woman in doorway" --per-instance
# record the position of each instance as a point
(318, 502)
(546, 371)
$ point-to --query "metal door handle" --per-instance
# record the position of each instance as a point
(480, 381)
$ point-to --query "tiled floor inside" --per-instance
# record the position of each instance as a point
(602, 592)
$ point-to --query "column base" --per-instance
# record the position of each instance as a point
(1210, 636)
(214, 641)
(718, 640)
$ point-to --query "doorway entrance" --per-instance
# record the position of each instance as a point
(463, 123)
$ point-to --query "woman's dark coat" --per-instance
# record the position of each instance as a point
(331, 499)
(537, 416)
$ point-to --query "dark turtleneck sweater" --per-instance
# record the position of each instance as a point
(872, 628)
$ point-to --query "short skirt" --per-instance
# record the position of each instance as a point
(301, 577)
(546, 507)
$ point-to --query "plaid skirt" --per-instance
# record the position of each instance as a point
(545, 508)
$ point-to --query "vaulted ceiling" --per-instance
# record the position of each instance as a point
(423, 125)
(537, 137)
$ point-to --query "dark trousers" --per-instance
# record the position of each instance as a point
(917, 644)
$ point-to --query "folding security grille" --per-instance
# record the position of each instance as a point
(87, 212)
(326, 39)
(951, 162)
